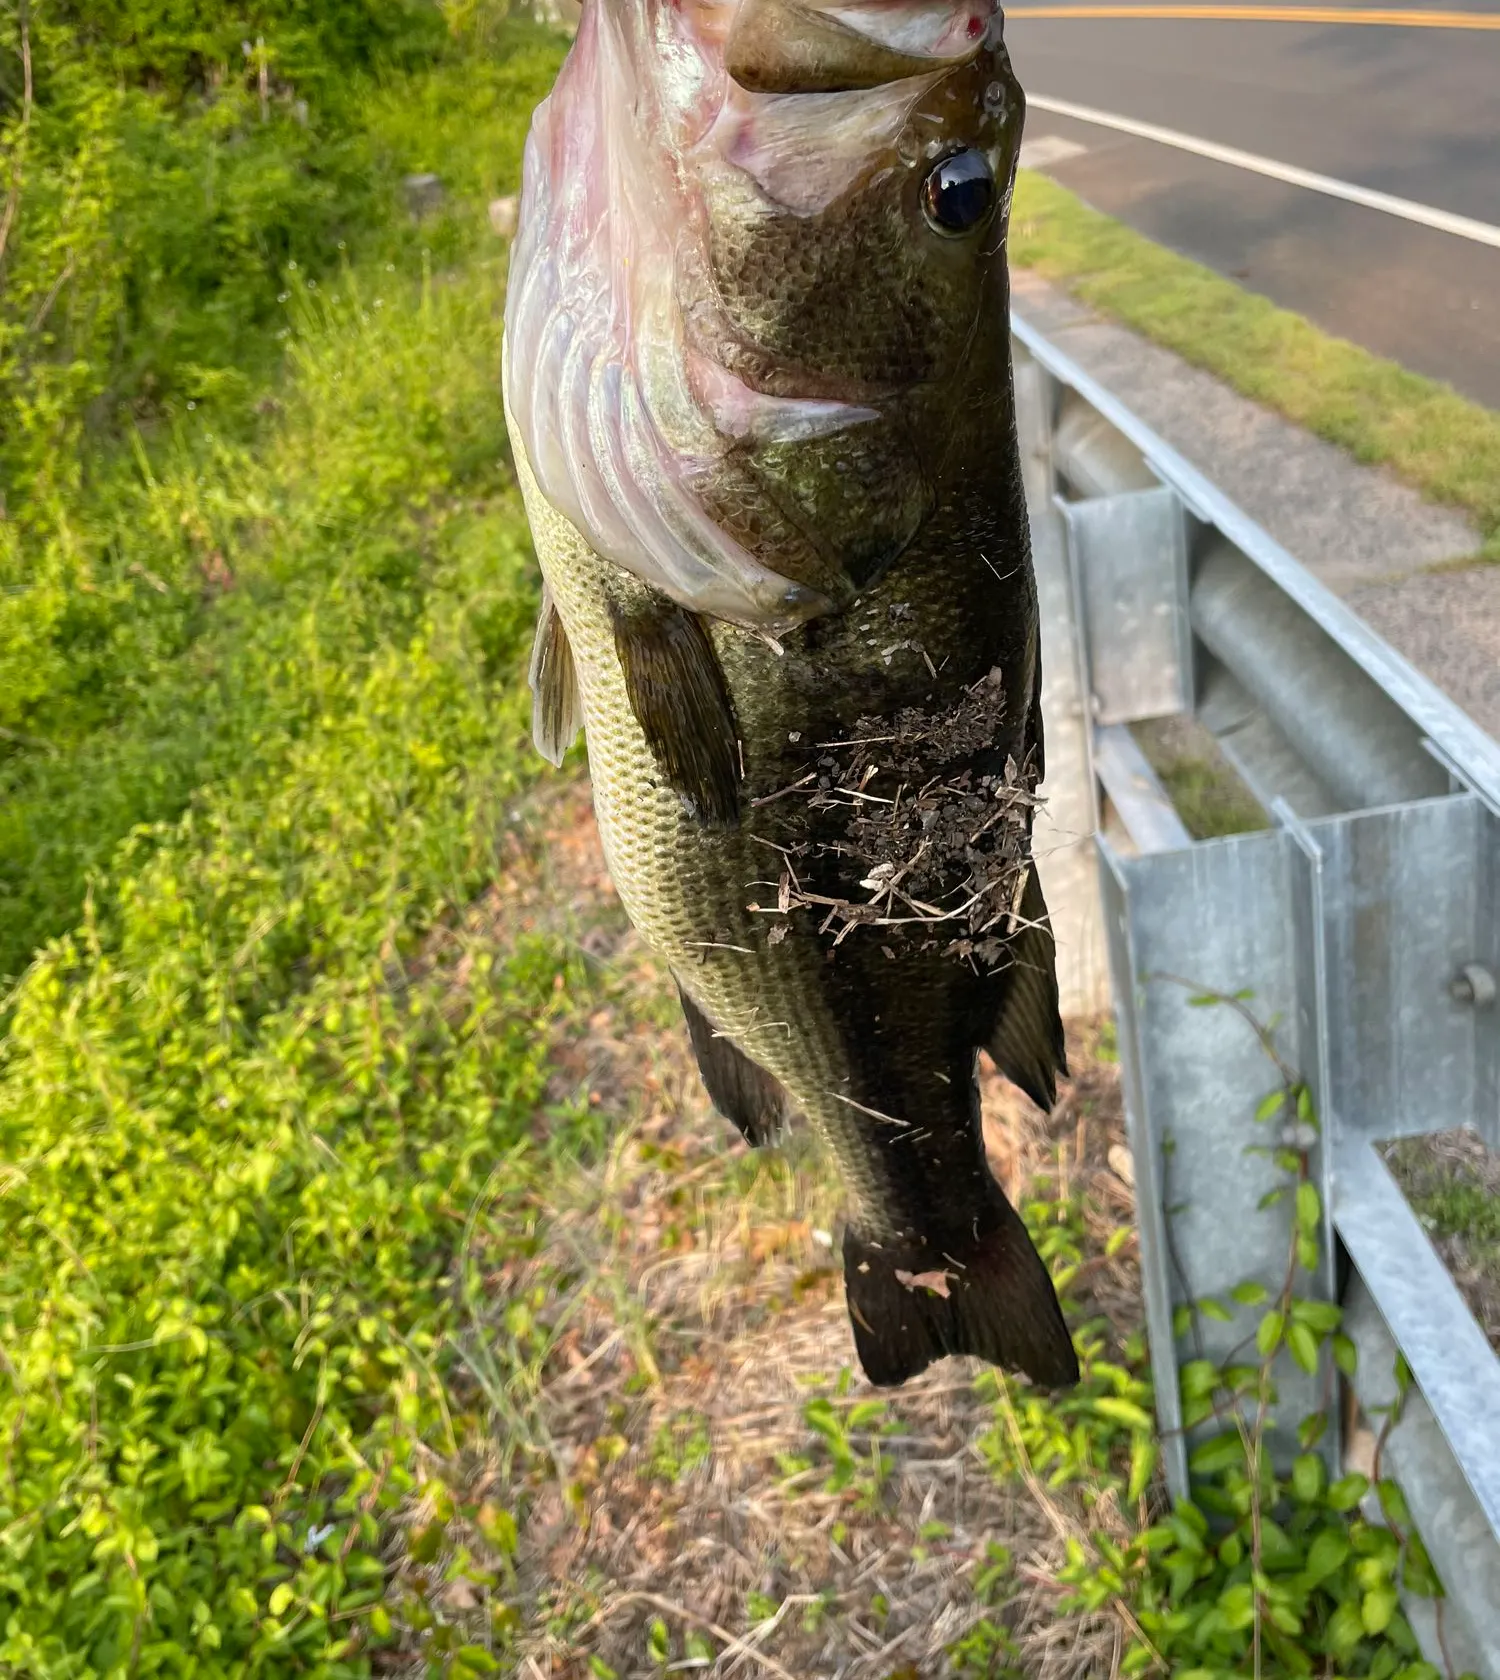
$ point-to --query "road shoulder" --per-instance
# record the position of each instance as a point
(1413, 569)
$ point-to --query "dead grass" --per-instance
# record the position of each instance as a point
(705, 1484)
(1453, 1184)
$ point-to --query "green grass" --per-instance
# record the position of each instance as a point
(1209, 797)
(145, 463)
(1444, 445)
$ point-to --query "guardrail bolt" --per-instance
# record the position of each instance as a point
(1474, 985)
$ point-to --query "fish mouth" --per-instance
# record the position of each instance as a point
(840, 46)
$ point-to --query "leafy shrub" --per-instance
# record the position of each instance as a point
(244, 1112)
(137, 408)
(1272, 1570)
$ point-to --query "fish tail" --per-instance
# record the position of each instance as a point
(991, 1298)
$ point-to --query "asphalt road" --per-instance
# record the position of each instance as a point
(1409, 111)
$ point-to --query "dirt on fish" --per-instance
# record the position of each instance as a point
(940, 858)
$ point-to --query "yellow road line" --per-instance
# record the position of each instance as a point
(1271, 14)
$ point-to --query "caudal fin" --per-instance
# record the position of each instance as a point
(991, 1298)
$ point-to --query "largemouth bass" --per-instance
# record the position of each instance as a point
(758, 385)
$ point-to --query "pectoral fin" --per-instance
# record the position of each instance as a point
(1027, 1042)
(677, 692)
(556, 707)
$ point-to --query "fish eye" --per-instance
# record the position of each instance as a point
(959, 193)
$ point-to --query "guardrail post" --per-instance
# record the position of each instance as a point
(1067, 860)
(1362, 923)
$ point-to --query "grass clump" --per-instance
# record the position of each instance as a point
(1453, 1184)
(1205, 790)
(1446, 446)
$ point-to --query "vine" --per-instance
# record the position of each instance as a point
(1262, 1572)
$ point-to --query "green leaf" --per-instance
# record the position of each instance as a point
(1270, 1106)
(1304, 1347)
(477, 1659)
(1309, 1207)
(1308, 1475)
(1123, 1411)
(1376, 1609)
(1347, 1492)
(1250, 1294)
(1199, 1377)
(1269, 1332)
(1143, 1453)
(1321, 1316)
(1221, 1453)
(1393, 1503)
(1403, 1377)
(1210, 1308)
(1326, 1554)
(1271, 1198)
(281, 1597)
(1312, 1429)
(1345, 1629)
(1278, 1550)
(1418, 1575)
(1345, 1355)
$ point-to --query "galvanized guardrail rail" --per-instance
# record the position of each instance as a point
(1364, 916)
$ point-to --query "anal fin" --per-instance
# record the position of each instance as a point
(741, 1091)
(556, 708)
(1027, 1041)
(677, 692)
(990, 1297)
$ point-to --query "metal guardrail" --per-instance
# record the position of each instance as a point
(1365, 917)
